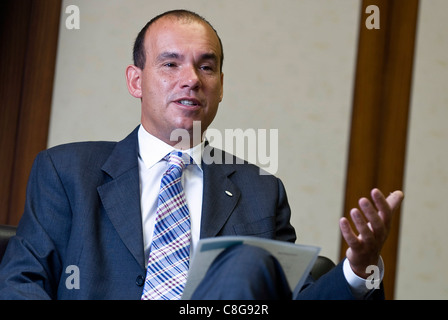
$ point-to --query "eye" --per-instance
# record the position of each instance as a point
(170, 64)
(206, 68)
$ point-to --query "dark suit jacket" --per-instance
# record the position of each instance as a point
(83, 210)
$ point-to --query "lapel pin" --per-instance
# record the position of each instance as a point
(229, 193)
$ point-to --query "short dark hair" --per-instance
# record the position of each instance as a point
(139, 46)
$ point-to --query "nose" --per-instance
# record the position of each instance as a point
(190, 78)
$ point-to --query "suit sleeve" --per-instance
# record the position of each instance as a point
(331, 286)
(31, 266)
(284, 230)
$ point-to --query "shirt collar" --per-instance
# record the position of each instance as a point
(152, 149)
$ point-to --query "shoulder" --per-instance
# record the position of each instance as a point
(82, 149)
(77, 154)
(91, 156)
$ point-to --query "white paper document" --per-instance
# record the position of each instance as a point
(295, 259)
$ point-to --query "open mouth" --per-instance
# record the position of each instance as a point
(188, 102)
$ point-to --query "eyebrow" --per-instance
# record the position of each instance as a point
(176, 56)
(209, 56)
(168, 55)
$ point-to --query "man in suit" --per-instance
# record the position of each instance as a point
(90, 206)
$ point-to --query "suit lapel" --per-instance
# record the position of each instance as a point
(121, 195)
(220, 198)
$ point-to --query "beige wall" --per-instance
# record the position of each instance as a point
(289, 66)
(423, 258)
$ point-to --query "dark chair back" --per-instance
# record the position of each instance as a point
(6, 232)
(321, 266)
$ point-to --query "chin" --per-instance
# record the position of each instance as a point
(185, 131)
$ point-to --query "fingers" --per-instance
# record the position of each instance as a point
(392, 202)
(386, 207)
(378, 215)
(394, 199)
(365, 228)
(376, 222)
(347, 232)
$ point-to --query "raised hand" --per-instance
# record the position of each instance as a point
(372, 221)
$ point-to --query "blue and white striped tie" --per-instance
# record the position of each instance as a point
(170, 250)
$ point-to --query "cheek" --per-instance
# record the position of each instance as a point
(156, 89)
(155, 79)
(218, 93)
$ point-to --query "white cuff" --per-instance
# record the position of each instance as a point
(359, 286)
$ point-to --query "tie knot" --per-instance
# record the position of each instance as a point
(179, 159)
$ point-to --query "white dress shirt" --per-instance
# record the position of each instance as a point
(151, 168)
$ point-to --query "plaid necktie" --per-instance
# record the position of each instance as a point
(170, 250)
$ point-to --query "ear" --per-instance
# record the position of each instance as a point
(133, 81)
(222, 87)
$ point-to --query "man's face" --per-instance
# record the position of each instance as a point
(181, 81)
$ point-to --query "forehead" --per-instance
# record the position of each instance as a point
(177, 34)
